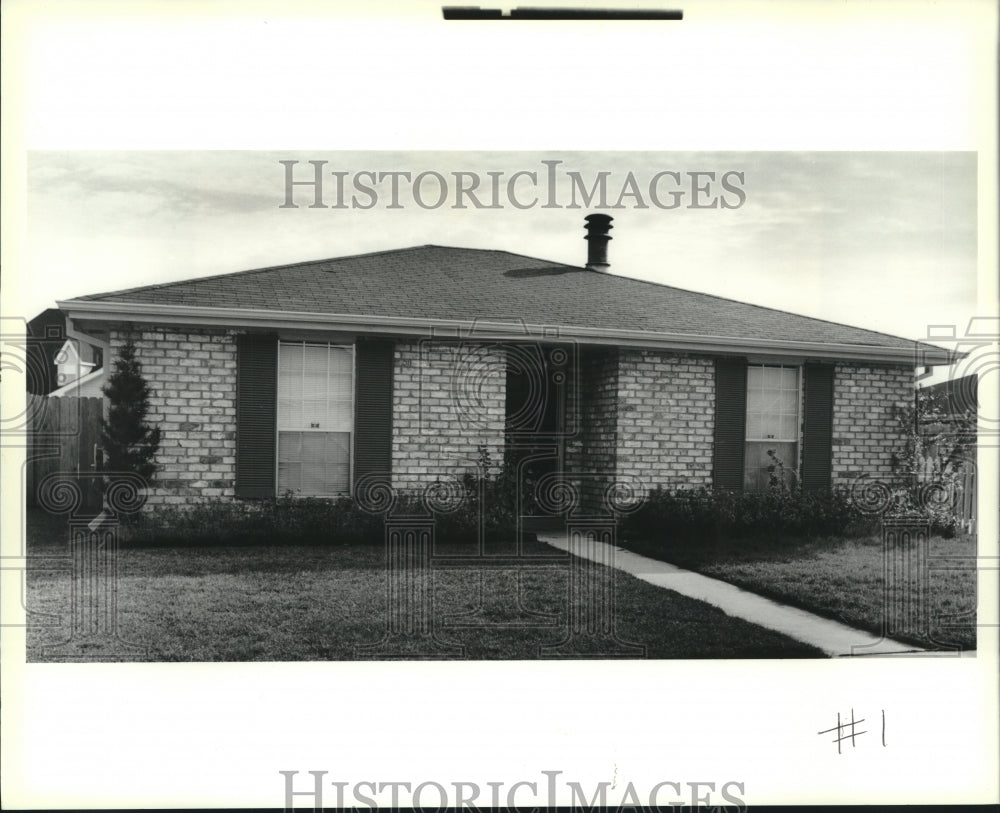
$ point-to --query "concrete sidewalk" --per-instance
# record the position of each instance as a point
(834, 638)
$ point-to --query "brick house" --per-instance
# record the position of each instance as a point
(405, 364)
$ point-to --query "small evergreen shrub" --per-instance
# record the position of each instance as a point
(129, 443)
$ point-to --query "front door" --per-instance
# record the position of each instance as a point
(539, 382)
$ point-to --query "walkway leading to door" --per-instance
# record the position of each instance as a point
(834, 638)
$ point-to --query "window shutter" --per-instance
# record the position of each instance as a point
(256, 402)
(817, 434)
(373, 408)
(730, 423)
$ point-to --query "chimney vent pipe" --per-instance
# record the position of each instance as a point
(597, 238)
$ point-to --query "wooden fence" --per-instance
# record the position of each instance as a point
(964, 503)
(64, 437)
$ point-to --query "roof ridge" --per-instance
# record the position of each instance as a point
(526, 256)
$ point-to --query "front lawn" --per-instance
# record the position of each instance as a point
(841, 579)
(313, 602)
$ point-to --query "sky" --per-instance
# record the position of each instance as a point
(881, 240)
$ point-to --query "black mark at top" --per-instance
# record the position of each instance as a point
(536, 13)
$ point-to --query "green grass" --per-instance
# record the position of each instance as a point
(841, 579)
(302, 603)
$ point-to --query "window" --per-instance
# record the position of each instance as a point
(773, 399)
(315, 418)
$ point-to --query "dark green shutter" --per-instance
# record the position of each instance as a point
(256, 409)
(373, 364)
(730, 423)
(817, 433)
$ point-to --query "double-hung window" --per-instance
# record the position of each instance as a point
(315, 418)
(773, 398)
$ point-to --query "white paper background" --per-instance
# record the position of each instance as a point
(751, 77)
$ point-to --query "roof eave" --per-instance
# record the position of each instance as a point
(918, 354)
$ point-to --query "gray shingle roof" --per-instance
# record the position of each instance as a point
(437, 282)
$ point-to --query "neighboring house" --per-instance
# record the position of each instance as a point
(948, 418)
(956, 401)
(78, 370)
(405, 364)
(46, 335)
(58, 364)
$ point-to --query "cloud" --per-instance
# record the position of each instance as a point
(164, 185)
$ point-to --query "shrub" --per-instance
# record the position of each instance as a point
(285, 520)
(939, 439)
(485, 497)
(917, 502)
(129, 443)
(705, 514)
(486, 501)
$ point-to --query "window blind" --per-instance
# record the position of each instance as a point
(315, 416)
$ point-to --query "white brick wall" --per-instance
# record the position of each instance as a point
(448, 399)
(865, 430)
(192, 381)
(666, 419)
(647, 420)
